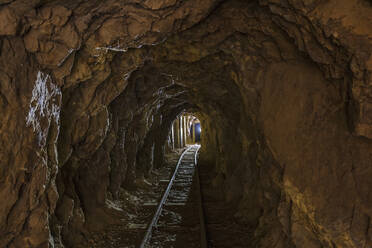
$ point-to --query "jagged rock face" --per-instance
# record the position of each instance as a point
(88, 91)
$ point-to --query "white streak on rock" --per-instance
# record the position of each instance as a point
(117, 48)
(68, 55)
(44, 106)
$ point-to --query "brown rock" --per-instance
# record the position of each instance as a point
(60, 15)
(8, 21)
(153, 4)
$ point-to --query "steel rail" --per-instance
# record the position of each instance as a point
(162, 202)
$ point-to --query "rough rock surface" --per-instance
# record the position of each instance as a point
(88, 90)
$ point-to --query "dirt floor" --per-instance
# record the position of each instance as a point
(138, 208)
(178, 225)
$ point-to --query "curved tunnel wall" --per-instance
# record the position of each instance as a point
(86, 87)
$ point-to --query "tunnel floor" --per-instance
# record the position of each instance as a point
(139, 206)
(224, 229)
(179, 224)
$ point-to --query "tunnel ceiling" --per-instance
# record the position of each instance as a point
(283, 88)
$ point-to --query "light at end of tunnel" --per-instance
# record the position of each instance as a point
(198, 129)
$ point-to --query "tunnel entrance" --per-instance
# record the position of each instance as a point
(185, 130)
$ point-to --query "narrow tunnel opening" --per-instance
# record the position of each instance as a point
(185, 130)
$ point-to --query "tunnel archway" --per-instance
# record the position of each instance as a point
(89, 91)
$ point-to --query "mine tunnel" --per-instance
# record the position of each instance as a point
(172, 123)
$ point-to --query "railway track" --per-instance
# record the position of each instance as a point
(179, 220)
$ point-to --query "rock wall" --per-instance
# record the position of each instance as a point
(88, 91)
